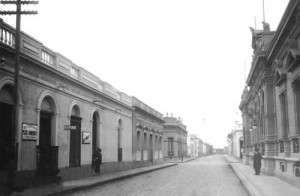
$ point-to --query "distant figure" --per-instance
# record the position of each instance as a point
(97, 158)
(257, 161)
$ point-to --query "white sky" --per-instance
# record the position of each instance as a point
(185, 57)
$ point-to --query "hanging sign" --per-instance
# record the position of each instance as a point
(29, 132)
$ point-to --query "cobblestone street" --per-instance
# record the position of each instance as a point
(204, 176)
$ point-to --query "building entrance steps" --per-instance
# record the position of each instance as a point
(260, 185)
(75, 185)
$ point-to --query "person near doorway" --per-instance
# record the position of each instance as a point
(97, 159)
(257, 161)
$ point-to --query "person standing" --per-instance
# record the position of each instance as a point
(257, 161)
(97, 160)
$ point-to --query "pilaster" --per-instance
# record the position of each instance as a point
(270, 127)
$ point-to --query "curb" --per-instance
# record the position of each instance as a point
(250, 189)
(73, 189)
(183, 161)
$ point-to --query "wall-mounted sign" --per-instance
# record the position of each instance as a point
(29, 132)
(138, 155)
(69, 128)
(86, 137)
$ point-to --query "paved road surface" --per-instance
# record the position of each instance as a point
(207, 176)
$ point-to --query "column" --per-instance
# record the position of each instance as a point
(269, 121)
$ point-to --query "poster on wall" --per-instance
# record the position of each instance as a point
(86, 137)
(29, 132)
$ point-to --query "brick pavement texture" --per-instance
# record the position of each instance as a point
(70, 186)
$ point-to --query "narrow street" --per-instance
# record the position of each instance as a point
(204, 176)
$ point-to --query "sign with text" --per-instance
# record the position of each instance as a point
(29, 132)
(69, 128)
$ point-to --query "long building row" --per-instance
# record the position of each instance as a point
(270, 102)
(65, 112)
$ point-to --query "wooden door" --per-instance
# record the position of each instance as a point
(75, 142)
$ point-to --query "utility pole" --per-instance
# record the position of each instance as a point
(18, 12)
(263, 4)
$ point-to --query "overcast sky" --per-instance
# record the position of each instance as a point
(185, 57)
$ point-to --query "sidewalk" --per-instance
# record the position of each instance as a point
(261, 185)
(70, 186)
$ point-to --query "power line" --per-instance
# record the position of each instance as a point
(18, 13)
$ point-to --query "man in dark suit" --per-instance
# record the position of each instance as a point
(97, 158)
(257, 161)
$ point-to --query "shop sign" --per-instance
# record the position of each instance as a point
(69, 128)
(29, 132)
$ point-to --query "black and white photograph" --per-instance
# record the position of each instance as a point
(149, 97)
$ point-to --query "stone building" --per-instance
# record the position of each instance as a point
(207, 149)
(147, 134)
(192, 145)
(270, 102)
(64, 113)
(200, 148)
(174, 138)
(235, 141)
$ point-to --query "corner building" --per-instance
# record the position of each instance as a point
(64, 113)
(270, 102)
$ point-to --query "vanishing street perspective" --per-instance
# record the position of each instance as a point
(142, 98)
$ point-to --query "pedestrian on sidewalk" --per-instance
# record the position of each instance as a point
(257, 161)
(97, 158)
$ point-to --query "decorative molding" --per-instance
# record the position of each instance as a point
(30, 47)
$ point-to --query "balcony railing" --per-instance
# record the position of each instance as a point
(143, 106)
(35, 49)
(7, 34)
(47, 58)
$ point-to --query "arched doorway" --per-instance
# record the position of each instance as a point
(119, 140)
(95, 136)
(145, 147)
(6, 132)
(151, 148)
(46, 153)
(241, 147)
(75, 137)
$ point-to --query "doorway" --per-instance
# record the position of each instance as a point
(6, 137)
(44, 148)
(151, 148)
(95, 136)
(75, 145)
(119, 140)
